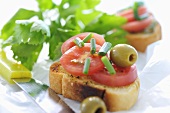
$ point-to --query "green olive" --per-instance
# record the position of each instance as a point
(123, 55)
(93, 104)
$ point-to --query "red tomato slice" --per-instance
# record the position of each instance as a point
(73, 60)
(123, 76)
(137, 26)
(69, 43)
(128, 14)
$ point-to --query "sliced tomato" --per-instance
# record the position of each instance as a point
(69, 43)
(73, 60)
(128, 13)
(132, 24)
(123, 76)
(137, 26)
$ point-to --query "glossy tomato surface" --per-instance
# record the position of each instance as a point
(73, 60)
(134, 25)
(69, 43)
(128, 13)
(123, 76)
(137, 26)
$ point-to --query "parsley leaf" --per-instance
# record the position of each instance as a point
(116, 36)
(8, 28)
(105, 23)
(27, 54)
(31, 32)
(45, 4)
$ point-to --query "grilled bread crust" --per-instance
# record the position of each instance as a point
(140, 41)
(80, 87)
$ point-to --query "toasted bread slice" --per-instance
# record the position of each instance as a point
(78, 88)
(141, 40)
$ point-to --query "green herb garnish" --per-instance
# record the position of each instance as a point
(135, 11)
(88, 37)
(79, 42)
(86, 66)
(108, 65)
(93, 46)
(105, 48)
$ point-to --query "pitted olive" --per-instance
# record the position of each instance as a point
(123, 55)
(93, 104)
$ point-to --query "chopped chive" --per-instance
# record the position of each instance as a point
(108, 65)
(88, 37)
(78, 42)
(140, 3)
(86, 66)
(135, 11)
(93, 46)
(105, 48)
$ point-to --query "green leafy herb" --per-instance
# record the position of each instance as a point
(116, 36)
(104, 23)
(22, 14)
(26, 53)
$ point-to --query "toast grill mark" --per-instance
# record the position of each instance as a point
(56, 67)
(87, 91)
(79, 89)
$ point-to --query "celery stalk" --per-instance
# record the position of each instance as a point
(10, 69)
